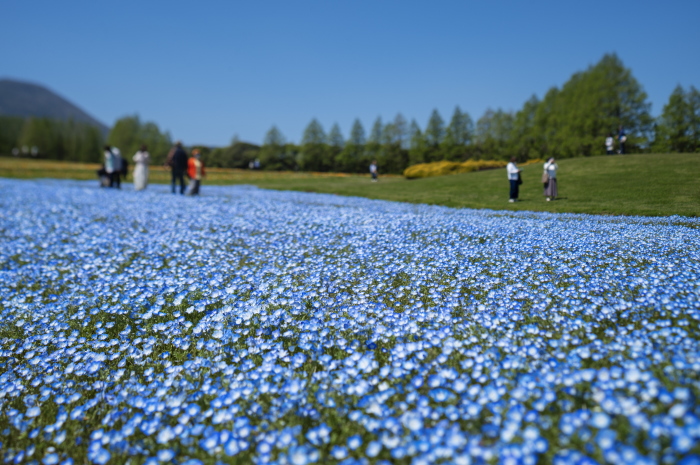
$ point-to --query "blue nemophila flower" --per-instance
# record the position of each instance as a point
(276, 326)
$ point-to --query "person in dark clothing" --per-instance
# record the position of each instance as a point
(177, 161)
(621, 139)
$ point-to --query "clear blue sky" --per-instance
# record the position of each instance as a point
(208, 70)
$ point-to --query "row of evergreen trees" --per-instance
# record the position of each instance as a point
(567, 122)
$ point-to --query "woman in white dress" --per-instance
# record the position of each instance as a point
(550, 187)
(141, 170)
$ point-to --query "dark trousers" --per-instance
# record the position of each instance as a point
(194, 187)
(181, 176)
(514, 189)
(115, 180)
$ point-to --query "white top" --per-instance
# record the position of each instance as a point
(551, 169)
(372, 168)
(141, 157)
(513, 171)
(109, 161)
(609, 141)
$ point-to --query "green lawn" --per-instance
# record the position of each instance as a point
(649, 184)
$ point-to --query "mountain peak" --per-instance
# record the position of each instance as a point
(25, 99)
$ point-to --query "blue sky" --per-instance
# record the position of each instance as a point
(206, 71)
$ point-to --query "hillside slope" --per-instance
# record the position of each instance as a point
(25, 99)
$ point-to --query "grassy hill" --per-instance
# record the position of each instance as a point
(648, 184)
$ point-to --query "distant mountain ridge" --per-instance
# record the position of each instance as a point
(18, 98)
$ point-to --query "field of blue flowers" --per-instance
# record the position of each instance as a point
(255, 326)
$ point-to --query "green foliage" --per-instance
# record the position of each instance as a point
(417, 147)
(493, 133)
(458, 135)
(678, 127)
(315, 155)
(435, 131)
(275, 154)
(10, 131)
(357, 134)
(375, 136)
(314, 134)
(592, 104)
(350, 159)
(57, 140)
(237, 155)
(129, 133)
(335, 137)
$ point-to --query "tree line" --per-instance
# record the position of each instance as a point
(567, 122)
(50, 138)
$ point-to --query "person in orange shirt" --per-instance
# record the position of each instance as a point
(195, 171)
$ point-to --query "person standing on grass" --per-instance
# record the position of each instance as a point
(514, 179)
(177, 161)
(609, 144)
(621, 139)
(550, 187)
(109, 164)
(141, 159)
(117, 167)
(195, 171)
(373, 170)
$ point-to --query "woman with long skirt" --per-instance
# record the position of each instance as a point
(141, 160)
(550, 187)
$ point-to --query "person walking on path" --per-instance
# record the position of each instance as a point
(514, 179)
(373, 170)
(195, 171)
(141, 159)
(177, 161)
(609, 144)
(550, 173)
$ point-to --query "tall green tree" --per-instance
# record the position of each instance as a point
(433, 136)
(314, 134)
(401, 131)
(373, 148)
(129, 133)
(335, 137)
(694, 103)
(435, 130)
(594, 103)
(678, 129)
(335, 147)
(273, 153)
(393, 156)
(493, 132)
(357, 134)
(10, 132)
(375, 135)
(458, 135)
(523, 139)
(418, 148)
(314, 155)
(351, 156)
